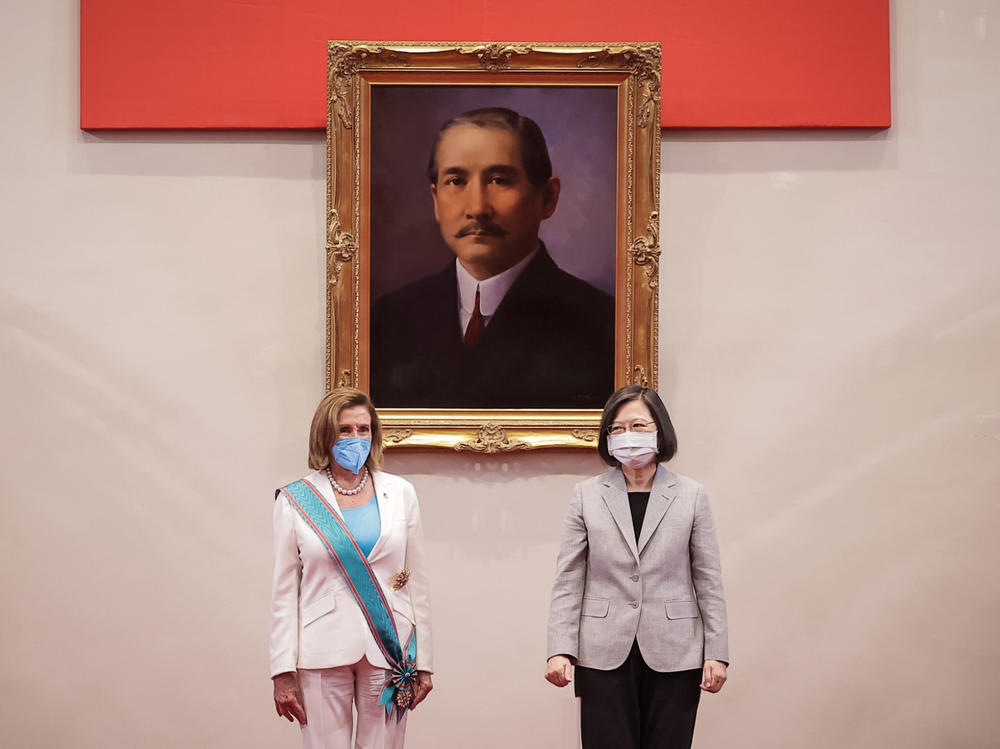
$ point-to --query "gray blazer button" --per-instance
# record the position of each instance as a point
(635, 578)
(634, 604)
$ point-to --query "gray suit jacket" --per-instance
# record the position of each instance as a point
(665, 591)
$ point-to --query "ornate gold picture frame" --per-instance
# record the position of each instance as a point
(598, 106)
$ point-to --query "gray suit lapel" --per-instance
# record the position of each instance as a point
(661, 496)
(616, 499)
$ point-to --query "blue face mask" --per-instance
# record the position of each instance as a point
(351, 452)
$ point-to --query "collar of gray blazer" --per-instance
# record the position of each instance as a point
(661, 496)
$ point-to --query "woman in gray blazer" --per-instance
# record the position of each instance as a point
(637, 605)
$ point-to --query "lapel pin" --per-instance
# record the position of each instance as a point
(400, 579)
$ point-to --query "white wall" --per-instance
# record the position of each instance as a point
(830, 341)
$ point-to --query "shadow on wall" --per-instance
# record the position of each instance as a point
(206, 153)
(725, 152)
(859, 545)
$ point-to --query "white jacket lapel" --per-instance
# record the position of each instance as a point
(387, 508)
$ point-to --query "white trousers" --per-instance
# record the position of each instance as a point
(332, 694)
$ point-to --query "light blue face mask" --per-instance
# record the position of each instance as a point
(351, 452)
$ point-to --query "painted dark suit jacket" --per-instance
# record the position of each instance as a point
(550, 344)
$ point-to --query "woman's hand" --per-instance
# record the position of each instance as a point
(558, 669)
(421, 688)
(713, 676)
(287, 698)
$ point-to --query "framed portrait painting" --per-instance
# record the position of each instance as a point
(492, 238)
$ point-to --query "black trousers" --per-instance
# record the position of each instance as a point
(635, 707)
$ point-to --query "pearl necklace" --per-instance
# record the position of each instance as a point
(341, 490)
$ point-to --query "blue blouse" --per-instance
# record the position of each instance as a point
(364, 524)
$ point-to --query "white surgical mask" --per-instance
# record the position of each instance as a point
(633, 449)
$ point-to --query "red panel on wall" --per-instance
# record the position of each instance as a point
(262, 63)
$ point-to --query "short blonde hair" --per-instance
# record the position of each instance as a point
(323, 432)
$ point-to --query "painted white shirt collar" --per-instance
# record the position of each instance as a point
(491, 291)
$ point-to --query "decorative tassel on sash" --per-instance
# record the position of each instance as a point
(398, 690)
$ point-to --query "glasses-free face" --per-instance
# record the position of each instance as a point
(487, 209)
(633, 416)
(354, 422)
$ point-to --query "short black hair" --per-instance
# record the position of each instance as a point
(534, 152)
(667, 437)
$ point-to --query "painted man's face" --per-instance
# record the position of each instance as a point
(488, 210)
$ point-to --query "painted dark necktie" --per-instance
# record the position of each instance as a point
(474, 329)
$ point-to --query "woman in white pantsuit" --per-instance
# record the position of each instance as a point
(350, 610)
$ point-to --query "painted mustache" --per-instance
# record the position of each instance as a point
(481, 228)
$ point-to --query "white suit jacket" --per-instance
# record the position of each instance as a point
(664, 591)
(315, 620)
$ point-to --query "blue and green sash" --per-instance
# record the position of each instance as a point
(397, 692)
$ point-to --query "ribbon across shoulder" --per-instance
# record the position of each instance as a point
(326, 522)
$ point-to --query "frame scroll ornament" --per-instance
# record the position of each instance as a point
(353, 68)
